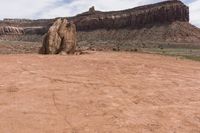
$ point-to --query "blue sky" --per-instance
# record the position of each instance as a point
(36, 9)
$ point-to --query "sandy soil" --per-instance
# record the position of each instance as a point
(99, 93)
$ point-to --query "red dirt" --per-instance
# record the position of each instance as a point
(99, 92)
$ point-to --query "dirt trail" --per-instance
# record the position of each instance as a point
(99, 93)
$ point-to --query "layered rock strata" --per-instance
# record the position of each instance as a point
(161, 22)
(10, 30)
(164, 12)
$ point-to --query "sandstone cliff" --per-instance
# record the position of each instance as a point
(9, 30)
(164, 12)
(163, 22)
(30, 27)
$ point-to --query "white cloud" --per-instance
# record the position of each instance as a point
(23, 8)
(195, 12)
(78, 6)
(35, 9)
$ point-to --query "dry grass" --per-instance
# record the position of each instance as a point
(193, 54)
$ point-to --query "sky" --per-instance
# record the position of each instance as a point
(37, 9)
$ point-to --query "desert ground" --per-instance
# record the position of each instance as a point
(99, 92)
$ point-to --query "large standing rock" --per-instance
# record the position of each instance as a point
(60, 39)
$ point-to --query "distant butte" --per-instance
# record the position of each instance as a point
(138, 17)
(164, 12)
(166, 21)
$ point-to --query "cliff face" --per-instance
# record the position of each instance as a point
(164, 12)
(29, 27)
(8, 30)
(163, 22)
(26, 22)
